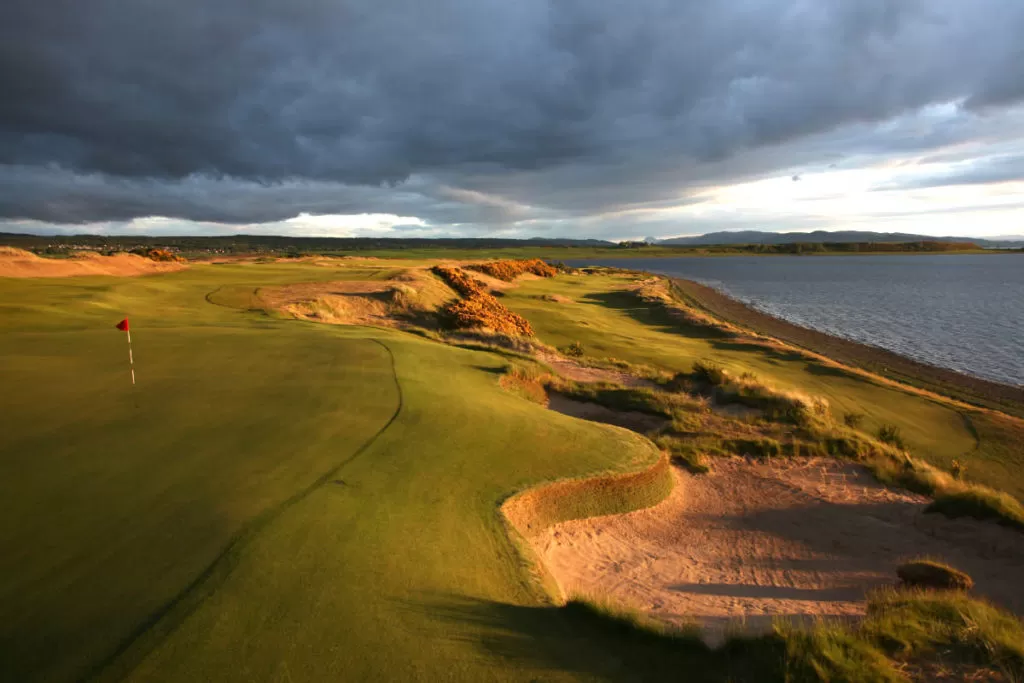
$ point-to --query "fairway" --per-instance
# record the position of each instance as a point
(244, 491)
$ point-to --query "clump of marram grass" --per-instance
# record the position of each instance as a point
(684, 453)
(979, 502)
(853, 420)
(909, 624)
(924, 572)
(618, 397)
(747, 389)
(892, 435)
(901, 627)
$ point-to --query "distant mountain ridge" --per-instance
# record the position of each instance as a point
(825, 237)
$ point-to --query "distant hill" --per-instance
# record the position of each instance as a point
(825, 237)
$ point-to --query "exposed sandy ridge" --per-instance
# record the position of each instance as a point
(21, 264)
(757, 540)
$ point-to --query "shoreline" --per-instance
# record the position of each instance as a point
(889, 364)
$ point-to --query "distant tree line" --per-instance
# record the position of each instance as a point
(281, 245)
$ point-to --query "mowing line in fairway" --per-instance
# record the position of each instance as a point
(206, 582)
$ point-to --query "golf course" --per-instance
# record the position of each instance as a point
(315, 478)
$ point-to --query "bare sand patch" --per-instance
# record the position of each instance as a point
(585, 410)
(753, 540)
(23, 264)
(570, 369)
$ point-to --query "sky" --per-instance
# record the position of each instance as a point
(532, 118)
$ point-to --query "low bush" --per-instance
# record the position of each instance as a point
(926, 573)
(709, 372)
(509, 270)
(483, 311)
(853, 420)
(891, 435)
(758, 448)
(459, 280)
(574, 350)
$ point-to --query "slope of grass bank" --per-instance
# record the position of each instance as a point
(214, 525)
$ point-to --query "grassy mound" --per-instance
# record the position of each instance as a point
(926, 573)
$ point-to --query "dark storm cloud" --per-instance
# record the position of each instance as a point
(323, 95)
(984, 171)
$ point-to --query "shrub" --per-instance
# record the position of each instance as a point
(925, 573)
(574, 350)
(853, 420)
(891, 435)
(459, 280)
(709, 372)
(760, 448)
(484, 311)
(511, 269)
(958, 469)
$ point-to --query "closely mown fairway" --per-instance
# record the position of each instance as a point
(610, 321)
(274, 500)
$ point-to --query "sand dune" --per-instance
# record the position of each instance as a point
(20, 263)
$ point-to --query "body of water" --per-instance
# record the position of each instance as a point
(964, 312)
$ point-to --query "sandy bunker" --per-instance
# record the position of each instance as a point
(757, 540)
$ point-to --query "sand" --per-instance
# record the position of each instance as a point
(796, 538)
(23, 264)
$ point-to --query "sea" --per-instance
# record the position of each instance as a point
(959, 311)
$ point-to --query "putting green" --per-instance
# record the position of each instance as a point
(275, 500)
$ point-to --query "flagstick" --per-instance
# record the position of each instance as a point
(131, 360)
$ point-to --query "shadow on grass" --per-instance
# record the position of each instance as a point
(654, 316)
(766, 351)
(578, 639)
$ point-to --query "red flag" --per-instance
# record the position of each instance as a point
(123, 325)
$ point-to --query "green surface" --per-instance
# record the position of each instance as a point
(610, 321)
(284, 501)
(274, 500)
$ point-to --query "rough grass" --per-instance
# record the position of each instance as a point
(901, 628)
(979, 502)
(695, 432)
(611, 321)
(913, 624)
